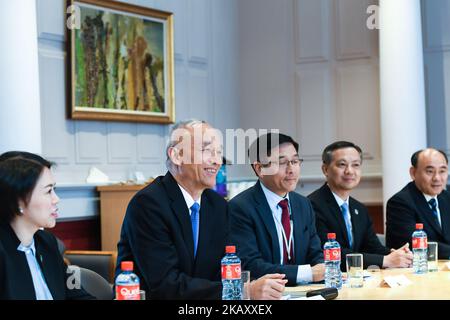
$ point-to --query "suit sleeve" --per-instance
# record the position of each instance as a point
(374, 258)
(2, 272)
(315, 252)
(321, 223)
(373, 249)
(154, 253)
(323, 228)
(400, 223)
(243, 235)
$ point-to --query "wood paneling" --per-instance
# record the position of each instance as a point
(376, 213)
(79, 235)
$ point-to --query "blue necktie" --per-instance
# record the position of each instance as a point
(433, 206)
(195, 208)
(348, 223)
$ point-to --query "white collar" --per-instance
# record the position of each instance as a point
(272, 198)
(25, 249)
(188, 198)
(339, 200)
(428, 198)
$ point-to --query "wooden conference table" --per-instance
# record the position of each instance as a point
(429, 286)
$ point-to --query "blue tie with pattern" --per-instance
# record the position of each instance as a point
(195, 208)
(433, 206)
(348, 223)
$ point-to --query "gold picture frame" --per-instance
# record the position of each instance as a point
(120, 62)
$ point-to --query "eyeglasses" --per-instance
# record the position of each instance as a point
(284, 163)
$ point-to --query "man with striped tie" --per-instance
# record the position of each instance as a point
(423, 200)
(272, 225)
(338, 212)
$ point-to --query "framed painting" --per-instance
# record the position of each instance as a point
(120, 62)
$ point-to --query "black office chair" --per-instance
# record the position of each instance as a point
(102, 262)
(95, 285)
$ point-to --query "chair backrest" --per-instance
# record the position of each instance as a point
(102, 262)
(61, 246)
(95, 285)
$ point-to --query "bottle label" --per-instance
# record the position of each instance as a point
(231, 271)
(332, 254)
(128, 292)
(419, 243)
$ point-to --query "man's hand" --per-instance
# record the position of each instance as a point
(318, 272)
(268, 287)
(400, 258)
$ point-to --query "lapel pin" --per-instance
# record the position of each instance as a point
(356, 211)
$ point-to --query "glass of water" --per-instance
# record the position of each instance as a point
(355, 276)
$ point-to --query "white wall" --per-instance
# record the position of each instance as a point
(310, 69)
(436, 43)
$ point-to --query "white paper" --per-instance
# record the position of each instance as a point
(317, 297)
(296, 297)
(396, 281)
(96, 176)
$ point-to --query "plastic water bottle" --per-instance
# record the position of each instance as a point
(231, 275)
(419, 248)
(332, 255)
(127, 283)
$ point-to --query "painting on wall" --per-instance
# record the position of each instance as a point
(120, 62)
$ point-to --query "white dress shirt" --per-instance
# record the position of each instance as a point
(340, 202)
(304, 273)
(190, 201)
(40, 286)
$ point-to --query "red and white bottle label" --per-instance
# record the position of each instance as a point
(419, 243)
(332, 254)
(128, 292)
(231, 271)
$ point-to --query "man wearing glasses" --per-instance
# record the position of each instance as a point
(272, 226)
(337, 212)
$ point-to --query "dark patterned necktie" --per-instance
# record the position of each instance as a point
(433, 206)
(286, 222)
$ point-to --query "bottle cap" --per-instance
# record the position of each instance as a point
(230, 249)
(419, 226)
(331, 236)
(126, 265)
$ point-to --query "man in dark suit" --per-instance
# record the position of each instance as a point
(175, 230)
(273, 226)
(339, 213)
(424, 200)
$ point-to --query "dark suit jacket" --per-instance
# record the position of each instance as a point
(157, 235)
(16, 282)
(329, 219)
(408, 207)
(254, 232)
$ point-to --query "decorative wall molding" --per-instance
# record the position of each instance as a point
(352, 38)
(90, 142)
(314, 110)
(199, 11)
(311, 30)
(121, 139)
(436, 25)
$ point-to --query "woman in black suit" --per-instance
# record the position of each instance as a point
(31, 267)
